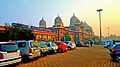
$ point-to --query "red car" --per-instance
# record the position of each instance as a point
(62, 47)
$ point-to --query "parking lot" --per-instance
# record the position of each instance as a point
(96, 56)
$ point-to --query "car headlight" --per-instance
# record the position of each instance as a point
(50, 48)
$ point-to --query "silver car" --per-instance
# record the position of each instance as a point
(9, 54)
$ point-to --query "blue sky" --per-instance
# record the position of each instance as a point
(31, 11)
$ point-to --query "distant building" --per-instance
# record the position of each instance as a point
(112, 37)
(20, 25)
(78, 30)
(81, 29)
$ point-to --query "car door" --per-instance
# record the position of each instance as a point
(23, 46)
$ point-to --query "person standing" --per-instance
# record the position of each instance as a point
(91, 43)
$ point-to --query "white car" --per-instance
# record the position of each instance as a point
(71, 44)
(9, 54)
(52, 47)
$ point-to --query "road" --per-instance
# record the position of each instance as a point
(96, 56)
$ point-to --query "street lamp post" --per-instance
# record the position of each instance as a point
(99, 10)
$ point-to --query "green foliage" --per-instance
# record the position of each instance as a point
(113, 35)
(66, 37)
(2, 36)
(16, 33)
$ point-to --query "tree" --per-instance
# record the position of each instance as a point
(3, 35)
(17, 33)
(66, 37)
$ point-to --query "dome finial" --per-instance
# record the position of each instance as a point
(84, 21)
(58, 15)
(42, 18)
(73, 14)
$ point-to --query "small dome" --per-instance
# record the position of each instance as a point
(42, 23)
(58, 22)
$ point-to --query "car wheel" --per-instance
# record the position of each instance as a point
(42, 54)
(59, 50)
(45, 54)
(69, 48)
(25, 58)
(118, 59)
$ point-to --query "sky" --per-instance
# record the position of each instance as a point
(31, 12)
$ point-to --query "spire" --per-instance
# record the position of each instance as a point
(58, 15)
(73, 14)
(84, 21)
(42, 18)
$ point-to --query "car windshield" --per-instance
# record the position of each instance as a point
(53, 44)
(66, 42)
(57, 43)
(22, 44)
(117, 42)
(34, 44)
(43, 45)
(48, 44)
(8, 47)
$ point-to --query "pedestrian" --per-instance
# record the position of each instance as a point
(91, 43)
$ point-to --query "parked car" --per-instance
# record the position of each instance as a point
(52, 47)
(107, 44)
(71, 44)
(62, 47)
(9, 53)
(29, 49)
(44, 48)
(78, 44)
(115, 50)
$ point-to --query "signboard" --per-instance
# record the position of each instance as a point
(35, 28)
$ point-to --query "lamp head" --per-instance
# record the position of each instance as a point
(99, 10)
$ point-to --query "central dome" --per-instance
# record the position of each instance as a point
(74, 20)
(58, 22)
(58, 19)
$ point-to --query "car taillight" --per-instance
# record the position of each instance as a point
(20, 54)
(114, 49)
(30, 50)
(1, 56)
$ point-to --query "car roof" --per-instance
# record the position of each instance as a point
(5, 42)
(26, 41)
